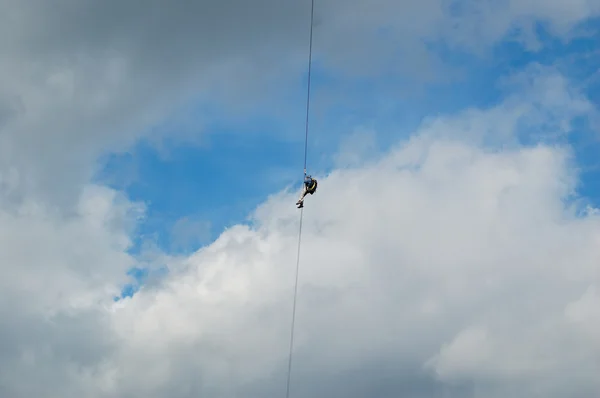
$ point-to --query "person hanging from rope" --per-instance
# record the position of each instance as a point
(309, 187)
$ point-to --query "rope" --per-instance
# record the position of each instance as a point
(312, 18)
(289, 374)
(287, 394)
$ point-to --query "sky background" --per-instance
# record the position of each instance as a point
(151, 154)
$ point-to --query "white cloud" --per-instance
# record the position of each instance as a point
(59, 272)
(441, 257)
(56, 259)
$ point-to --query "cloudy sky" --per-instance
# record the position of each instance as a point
(151, 153)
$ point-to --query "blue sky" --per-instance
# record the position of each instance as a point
(237, 163)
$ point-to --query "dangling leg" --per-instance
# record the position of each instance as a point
(300, 202)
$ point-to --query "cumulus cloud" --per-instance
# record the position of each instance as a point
(59, 272)
(443, 268)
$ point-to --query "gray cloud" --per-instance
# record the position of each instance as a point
(82, 78)
(78, 79)
(92, 76)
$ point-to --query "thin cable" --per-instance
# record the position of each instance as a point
(293, 326)
(287, 394)
(312, 18)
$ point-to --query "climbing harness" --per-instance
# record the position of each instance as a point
(312, 16)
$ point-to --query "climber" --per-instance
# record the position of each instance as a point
(309, 187)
